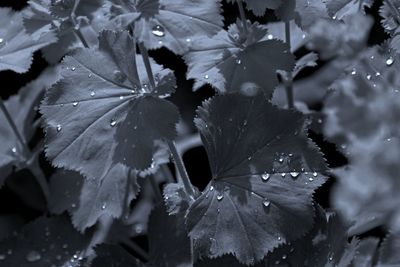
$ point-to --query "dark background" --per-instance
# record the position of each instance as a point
(195, 159)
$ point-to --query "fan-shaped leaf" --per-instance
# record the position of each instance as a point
(100, 113)
(16, 46)
(175, 25)
(264, 172)
(235, 61)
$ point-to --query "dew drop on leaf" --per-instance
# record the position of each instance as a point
(353, 72)
(158, 31)
(266, 203)
(139, 228)
(389, 61)
(284, 256)
(113, 123)
(58, 127)
(294, 174)
(378, 74)
(280, 160)
(211, 188)
(265, 177)
(119, 76)
(220, 197)
(75, 104)
(283, 174)
(369, 77)
(1, 40)
(279, 238)
(92, 94)
(315, 174)
(188, 40)
(103, 207)
(270, 36)
(33, 256)
(2, 257)
(206, 76)
(238, 61)
(311, 179)
(73, 68)
(14, 150)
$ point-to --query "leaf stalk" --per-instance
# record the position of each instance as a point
(288, 83)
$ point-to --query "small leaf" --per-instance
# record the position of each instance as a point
(60, 244)
(16, 46)
(235, 61)
(175, 25)
(264, 172)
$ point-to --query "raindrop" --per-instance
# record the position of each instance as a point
(90, 75)
(33, 256)
(121, 97)
(389, 61)
(369, 77)
(266, 203)
(135, 127)
(378, 74)
(73, 68)
(113, 123)
(1, 40)
(220, 197)
(353, 72)
(73, 205)
(265, 177)
(211, 188)
(92, 94)
(188, 40)
(206, 76)
(14, 150)
(238, 61)
(315, 174)
(294, 174)
(59, 128)
(311, 179)
(103, 207)
(280, 160)
(283, 174)
(270, 36)
(158, 31)
(75, 104)
(160, 42)
(279, 238)
(284, 256)
(245, 123)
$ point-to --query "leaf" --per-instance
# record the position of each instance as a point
(123, 116)
(44, 242)
(389, 251)
(227, 260)
(22, 108)
(366, 252)
(87, 200)
(390, 19)
(264, 172)
(116, 256)
(175, 25)
(169, 243)
(44, 16)
(16, 46)
(235, 61)
(298, 37)
(258, 7)
(326, 245)
(175, 198)
(342, 8)
(308, 60)
(304, 12)
(348, 37)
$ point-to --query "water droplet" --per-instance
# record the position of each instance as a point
(33, 256)
(378, 74)
(369, 77)
(280, 160)
(160, 42)
(266, 203)
(103, 207)
(270, 36)
(14, 150)
(238, 61)
(220, 197)
(92, 93)
(353, 72)
(139, 228)
(311, 179)
(135, 127)
(1, 40)
(265, 177)
(2, 257)
(113, 123)
(73, 205)
(158, 31)
(188, 40)
(59, 128)
(211, 188)
(75, 104)
(206, 76)
(284, 256)
(294, 174)
(245, 123)
(315, 174)
(283, 174)
(73, 68)
(389, 61)
(90, 75)
(279, 238)
(121, 97)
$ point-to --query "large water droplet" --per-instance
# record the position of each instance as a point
(75, 104)
(73, 68)
(158, 31)
(315, 174)
(294, 174)
(369, 77)
(211, 188)
(270, 36)
(220, 197)
(266, 203)
(113, 123)
(206, 76)
(1, 40)
(92, 93)
(33, 256)
(265, 177)
(389, 61)
(14, 150)
(58, 128)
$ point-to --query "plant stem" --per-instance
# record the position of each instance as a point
(289, 82)
(156, 189)
(136, 248)
(147, 65)
(242, 15)
(77, 31)
(14, 127)
(181, 169)
(167, 173)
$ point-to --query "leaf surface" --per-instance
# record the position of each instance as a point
(258, 7)
(115, 256)
(235, 61)
(264, 172)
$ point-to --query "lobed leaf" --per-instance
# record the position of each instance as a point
(264, 172)
(234, 60)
